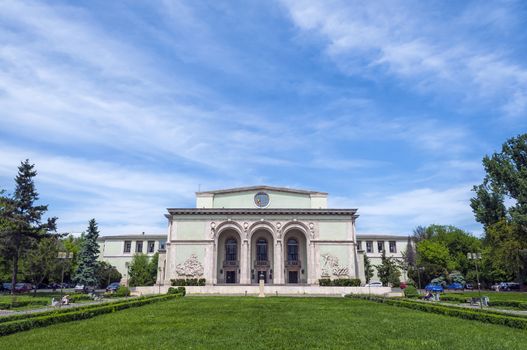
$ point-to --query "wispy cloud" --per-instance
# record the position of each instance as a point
(438, 55)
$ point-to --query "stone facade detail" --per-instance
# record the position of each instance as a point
(191, 268)
(331, 267)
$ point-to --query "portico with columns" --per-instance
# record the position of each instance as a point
(281, 235)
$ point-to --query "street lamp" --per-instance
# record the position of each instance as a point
(63, 256)
(476, 257)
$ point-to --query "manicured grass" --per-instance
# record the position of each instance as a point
(292, 323)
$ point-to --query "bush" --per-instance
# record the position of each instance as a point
(467, 314)
(181, 291)
(122, 291)
(22, 322)
(410, 292)
(188, 282)
(340, 282)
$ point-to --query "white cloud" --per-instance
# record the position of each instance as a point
(401, 212)
(435, 54)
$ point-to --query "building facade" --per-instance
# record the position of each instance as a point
(118, 251)
(237, 236)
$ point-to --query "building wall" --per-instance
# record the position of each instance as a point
(375, 256)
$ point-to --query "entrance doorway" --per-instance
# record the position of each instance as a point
(293, 277)
(262, 275)
(230, 276)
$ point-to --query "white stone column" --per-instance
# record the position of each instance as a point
(245, 268)
(311, 264)
(278, 268)
(214, 263)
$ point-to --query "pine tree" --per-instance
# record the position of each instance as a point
(86, 273)
(20, 219)
(368, 269)
(388, 270)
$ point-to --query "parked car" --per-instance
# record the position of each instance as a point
(6, 286)
(112, 287)
(374, 284)
(469, 286)
(434, 288)
(81, 288)
(403, 285)
(23, 287)
(456, 286)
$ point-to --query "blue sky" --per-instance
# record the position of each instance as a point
(128, 108)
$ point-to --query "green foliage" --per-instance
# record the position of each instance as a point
(40, 263)
(181, 291)
(388, 270)
(188, 282)
(368, 269)
(340, 282)
(505, 227)
(42, 320)
(142, 270)
(122, 291)
(106, 274)
(468, 314)
(21, 219)
(86, 273)
(411, 292)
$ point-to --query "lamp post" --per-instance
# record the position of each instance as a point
(476, 257)
(63, 256)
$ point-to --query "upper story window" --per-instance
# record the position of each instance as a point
(380, 246)
(393, 247)
(162, 244)
(292, 249)
(231, 250)
(127, 246)
(359, 245)
(261, 249)
(369, 246)
(139, 246)
(151, 246)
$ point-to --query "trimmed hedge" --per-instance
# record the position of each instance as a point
(177, 291)
(339, 282)
(42, 320)
(522, 305)
(467, 314)
(187, 282)
(40, 301)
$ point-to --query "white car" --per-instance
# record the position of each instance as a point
(374, 284)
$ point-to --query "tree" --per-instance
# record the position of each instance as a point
(505, 227)
(41, 261)
(106, 274)
(21, 220)
(142, 270)
(139, 271)
(86, 273)
(388, 270)
(368, 269)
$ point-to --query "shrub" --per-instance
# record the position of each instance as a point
(188, 282)
(18, 323)
(468, 314)
(181, 291)
(340, 282)
(411, 292)
(122, 291)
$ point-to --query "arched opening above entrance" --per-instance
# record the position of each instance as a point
(295, 257)
(228, 257)
(262, 256)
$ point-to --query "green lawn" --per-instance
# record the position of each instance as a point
(292, 323)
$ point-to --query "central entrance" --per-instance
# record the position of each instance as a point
(230, 276)
(293, 277)
(262, 256)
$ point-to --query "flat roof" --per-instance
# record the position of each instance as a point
(132, 236)
(263, 187)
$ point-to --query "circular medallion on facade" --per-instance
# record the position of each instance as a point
(261, 199)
